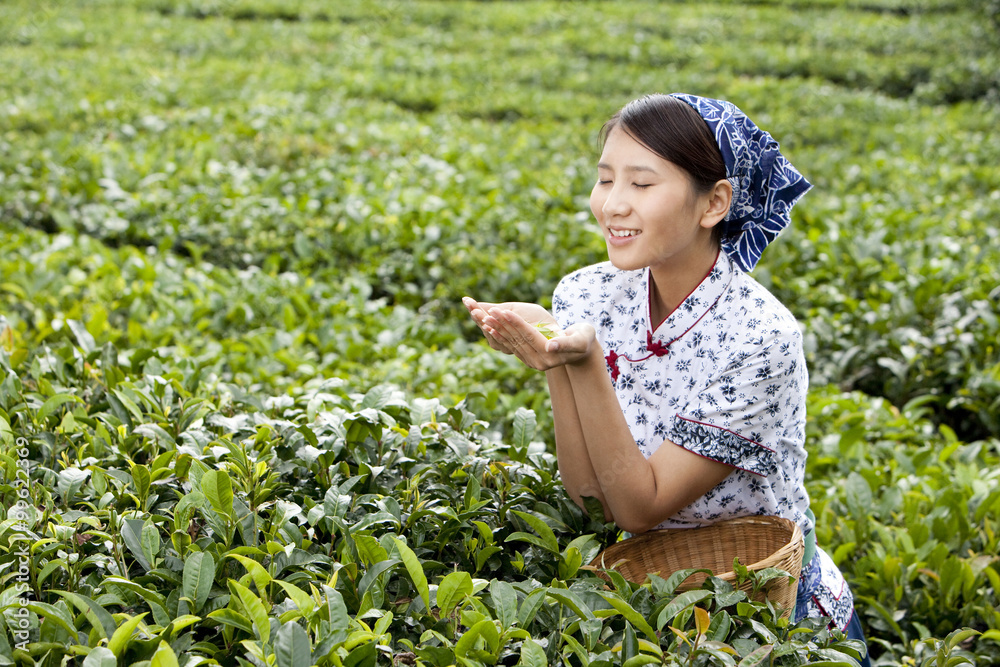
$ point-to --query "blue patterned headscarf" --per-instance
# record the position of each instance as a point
(765, 184)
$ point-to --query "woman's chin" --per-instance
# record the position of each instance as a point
(625, 263)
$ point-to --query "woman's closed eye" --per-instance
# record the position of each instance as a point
(637, 186)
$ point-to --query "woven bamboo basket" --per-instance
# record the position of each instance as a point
(758, 541)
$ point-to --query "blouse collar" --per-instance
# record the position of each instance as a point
(695, 306)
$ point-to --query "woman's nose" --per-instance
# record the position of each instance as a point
(616, 203)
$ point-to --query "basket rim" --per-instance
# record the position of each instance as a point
(620, 550)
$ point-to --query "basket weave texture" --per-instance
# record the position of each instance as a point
(758, 541)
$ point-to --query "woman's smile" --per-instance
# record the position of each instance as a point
(622, 236)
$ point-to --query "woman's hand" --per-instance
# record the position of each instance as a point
(530, 312)
(514, 328)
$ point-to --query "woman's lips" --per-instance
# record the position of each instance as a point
(620, 237)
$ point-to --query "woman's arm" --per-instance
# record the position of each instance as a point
(575, 467)
(639, 493)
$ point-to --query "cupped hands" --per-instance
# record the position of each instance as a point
(517, 328)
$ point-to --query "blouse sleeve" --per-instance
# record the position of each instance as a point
(560, 303)
(754, 410)
(567, 299)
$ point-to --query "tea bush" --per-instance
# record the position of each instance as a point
(259, 428)
(177, 516)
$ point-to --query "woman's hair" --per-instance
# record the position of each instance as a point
(673, 130)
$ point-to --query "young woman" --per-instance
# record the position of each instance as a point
(678, 383)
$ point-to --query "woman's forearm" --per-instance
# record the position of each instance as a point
(640, 493)
(624, 475)
(575, 468)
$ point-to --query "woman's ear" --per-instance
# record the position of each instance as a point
(719, 199)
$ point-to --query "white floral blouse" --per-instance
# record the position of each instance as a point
(723, 376)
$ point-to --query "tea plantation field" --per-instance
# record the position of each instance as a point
(244, 419)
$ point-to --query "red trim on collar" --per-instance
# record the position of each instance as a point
(649, 293)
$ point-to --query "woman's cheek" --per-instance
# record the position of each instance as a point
(596, 203)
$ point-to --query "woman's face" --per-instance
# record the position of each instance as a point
(648, 209)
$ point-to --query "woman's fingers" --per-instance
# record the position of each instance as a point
(473, 306)
(575, 340)
(477, 311)
(524, 339)
(514, 329)
(496, 341)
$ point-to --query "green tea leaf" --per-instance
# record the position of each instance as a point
(666, 587)
(260, 576)
(292, 647)
(53, 403)
(504, 600)
(6, 434)
(631, 615)
(524, 428)
(99, 617)
(571, 600)
(858, 494)
(301, 599)
(763, 631)
(547, 329)
(377, 397)
(337, 609)
(958, 636)
(452, 590)
(164, 656)
(630, 644)
(157, 603)
(546, 538)
(123, 635)
(532, 655)
(415, 569)
(100, 656)
(187, 507)
(141, 479)
(679, 604)
(570, 562)
(56, 614)
(150, 539)
(255, 610)
(363, 656)
(232, 619)
(576, 647)
(199, 574)
(485, 629)
(218, 488)
(642, 659)
(127, 403)
(373, 573)
(530, 606)
(757, 657)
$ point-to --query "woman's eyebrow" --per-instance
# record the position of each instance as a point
(631, 167)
